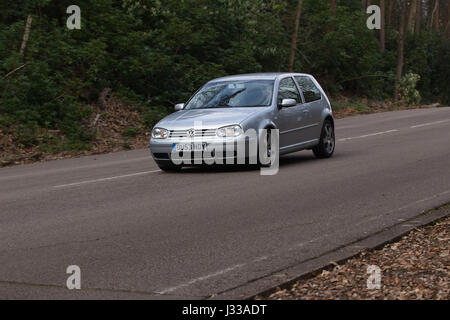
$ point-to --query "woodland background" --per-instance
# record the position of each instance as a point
(101, 88)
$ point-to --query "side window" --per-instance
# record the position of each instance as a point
(288, 90)
(310, 91)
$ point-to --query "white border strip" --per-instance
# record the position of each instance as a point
(429, 124)
(369, 135)
(104, 179)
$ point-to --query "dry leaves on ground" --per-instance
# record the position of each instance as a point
(416, 267)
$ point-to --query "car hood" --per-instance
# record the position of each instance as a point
(207, 118)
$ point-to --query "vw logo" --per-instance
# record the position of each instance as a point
(191, 133)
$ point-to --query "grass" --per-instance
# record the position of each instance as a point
(130, 132)
(357, 105)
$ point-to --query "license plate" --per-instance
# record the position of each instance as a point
(194, 146)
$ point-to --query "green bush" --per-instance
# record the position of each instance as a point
(408, 91)
(152, 115)
(130, 132)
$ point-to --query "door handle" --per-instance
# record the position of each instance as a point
(306, 114)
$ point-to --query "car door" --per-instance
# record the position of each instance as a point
(290, 120)
(314, 105)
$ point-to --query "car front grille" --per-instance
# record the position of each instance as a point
(198, 133)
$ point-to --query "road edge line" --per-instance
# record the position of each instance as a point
(265, 286)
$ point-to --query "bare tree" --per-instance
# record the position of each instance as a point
(390, 11)
(434, 21)
(294, 37)
(26, 35)
(447, 28)
(383, 27)
(365, 5)
(412, 15)
(419, 12)
(333, 7)
(400, 47)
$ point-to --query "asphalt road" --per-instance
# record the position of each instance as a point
(137, 232)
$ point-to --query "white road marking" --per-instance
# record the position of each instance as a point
(343, 139)
(193, 281)
(67, 169)
(424, 200)
(105, 179)
(429, 124)
(395, 130)
(369, 135)
(296, 246)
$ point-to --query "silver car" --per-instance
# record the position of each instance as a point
(292, 103)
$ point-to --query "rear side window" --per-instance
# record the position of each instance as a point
(288, 90)
(310, 91)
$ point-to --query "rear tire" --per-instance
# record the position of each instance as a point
(327, 142)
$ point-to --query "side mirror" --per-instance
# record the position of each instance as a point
(286, 103)
(179, 106)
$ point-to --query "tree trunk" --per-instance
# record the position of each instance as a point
(390, 10)
(412, 16)
(437, 17)
(383, 29)
(400, 48)
(434, 21)
(419, 12)
(26, 35)
(294, 37)
(447, 28)
(333, 6)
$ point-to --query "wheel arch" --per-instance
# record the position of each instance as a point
(329, 117)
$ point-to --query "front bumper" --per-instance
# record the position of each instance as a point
(162, 149)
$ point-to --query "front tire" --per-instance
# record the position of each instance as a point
(268, 151)
(327, 142)
(168, 166)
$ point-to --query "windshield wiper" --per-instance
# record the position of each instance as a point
(215, 107)
(227, 99)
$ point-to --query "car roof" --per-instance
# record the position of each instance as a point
(258, 76)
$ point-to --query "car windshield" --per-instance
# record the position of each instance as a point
(233, 94)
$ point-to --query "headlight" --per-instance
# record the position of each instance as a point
(229, 131)
(160, 133)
